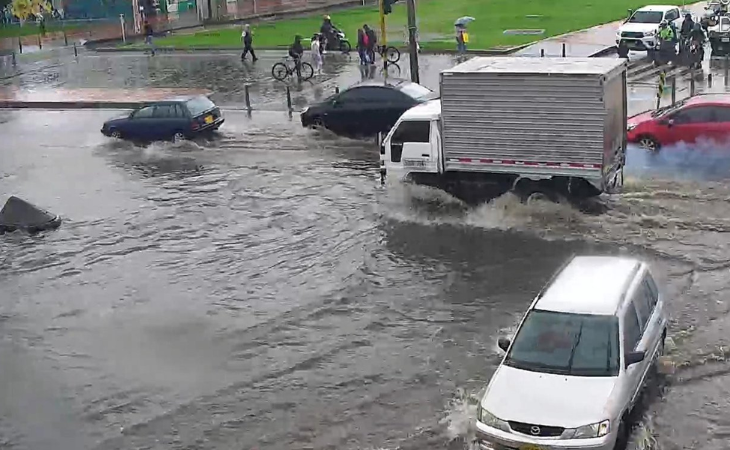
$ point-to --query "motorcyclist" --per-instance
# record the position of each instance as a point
(698, 37)
(329, 31)
(685, 32)
(667, 40)
(296, 50)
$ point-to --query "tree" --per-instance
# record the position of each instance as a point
(23, 9)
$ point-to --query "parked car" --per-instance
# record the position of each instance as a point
(640, 29)
(579, 360)
(700, 117)
(366, 109)
(174, 119)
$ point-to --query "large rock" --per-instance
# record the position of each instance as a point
(18, 214)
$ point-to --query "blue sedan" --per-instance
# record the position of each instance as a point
(175, 119)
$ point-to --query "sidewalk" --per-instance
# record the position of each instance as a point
(90, 98)
(592, 42)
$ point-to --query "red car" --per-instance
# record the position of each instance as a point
(700, 117)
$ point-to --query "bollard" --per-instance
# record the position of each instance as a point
(674, 90)
(563, 49)
(20, 46)
(542, 53)
(76, 52)
(691, 82)
(40, 45)
(288, 98)
(709, 80)
(65, 38)
(247, 97)
(727, 67)
(14, 63)
(337, 89)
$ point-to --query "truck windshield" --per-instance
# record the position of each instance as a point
(647, 17)
(568, 344)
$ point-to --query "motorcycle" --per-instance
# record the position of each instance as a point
(341, 43)
(666, 53)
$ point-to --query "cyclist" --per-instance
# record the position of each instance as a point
(295, 52)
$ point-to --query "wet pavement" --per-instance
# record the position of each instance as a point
(262, 290)
(220, 72)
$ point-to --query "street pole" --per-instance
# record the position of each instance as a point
(383, 37)
(121, 22)
(412, 44)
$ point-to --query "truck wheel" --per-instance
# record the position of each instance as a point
(531, 192)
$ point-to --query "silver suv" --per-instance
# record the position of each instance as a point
(578, 362)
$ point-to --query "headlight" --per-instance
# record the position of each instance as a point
(650, 33)
(630, 126)
(306, 108)
(594, 430)
(491, 420)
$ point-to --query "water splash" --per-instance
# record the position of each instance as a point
(706, 160)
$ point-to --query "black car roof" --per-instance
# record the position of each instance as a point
(392, 84)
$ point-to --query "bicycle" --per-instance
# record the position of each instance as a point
(281, 70)
(389, 53)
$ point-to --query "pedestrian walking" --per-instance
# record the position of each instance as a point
(372, 41)
(317, 54)
(362, 46)
(462, 38)
(149, 32)
(247, 38)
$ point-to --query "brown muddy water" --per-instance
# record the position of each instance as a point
(264, 291)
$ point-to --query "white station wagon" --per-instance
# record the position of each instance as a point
(579, 360)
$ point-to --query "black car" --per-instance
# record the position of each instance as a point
(174, 119)
(366, 109)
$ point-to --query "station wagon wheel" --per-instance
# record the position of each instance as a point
(116, 134)
(179, 136)
(649, 144)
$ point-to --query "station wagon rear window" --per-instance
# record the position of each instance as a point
(199, 105)
(567, 344)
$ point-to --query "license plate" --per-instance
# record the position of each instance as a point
(414, 163)
(725, 39)
(208, 119)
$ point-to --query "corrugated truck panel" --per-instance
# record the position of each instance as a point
(526, 117)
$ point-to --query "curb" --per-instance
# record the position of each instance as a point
(20, 104)
(487, 52)
(612, 50)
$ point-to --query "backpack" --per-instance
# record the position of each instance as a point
(366, 40)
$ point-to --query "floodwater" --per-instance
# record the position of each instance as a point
(263, 291)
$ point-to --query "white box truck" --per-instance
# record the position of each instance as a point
(542, 127)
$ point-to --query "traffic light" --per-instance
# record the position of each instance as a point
(388, 6)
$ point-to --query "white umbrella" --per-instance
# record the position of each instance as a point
(462, 21)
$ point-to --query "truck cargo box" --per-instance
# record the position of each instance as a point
(557, 116)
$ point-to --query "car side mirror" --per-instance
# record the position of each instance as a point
(634, 357)
(336, 103)
(631, 12)
(503, 343)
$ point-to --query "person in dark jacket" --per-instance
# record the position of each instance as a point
(247, 38)
(372, 42)
(362, 46)
(295, 52)
(328, 31)
(149, 32)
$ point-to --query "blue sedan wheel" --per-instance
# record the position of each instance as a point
(116, 134)
(179, 136)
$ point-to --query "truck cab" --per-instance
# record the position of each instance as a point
(414, 143)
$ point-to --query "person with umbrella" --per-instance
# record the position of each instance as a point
(462, 37)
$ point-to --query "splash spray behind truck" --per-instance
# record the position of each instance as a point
(545, 127)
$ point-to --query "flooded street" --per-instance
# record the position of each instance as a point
(262, 290)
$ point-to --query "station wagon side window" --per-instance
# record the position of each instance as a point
(412, 131)
(722, 113)
(643, 304)
(632, 329)
(144, 113)
(168, 112)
